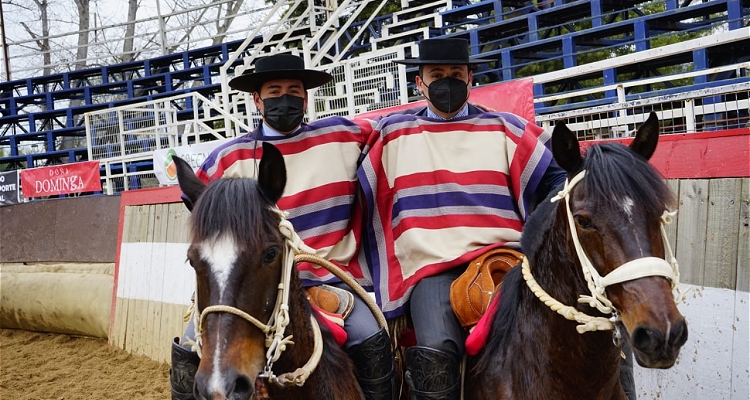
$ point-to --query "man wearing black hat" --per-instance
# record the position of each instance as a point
(321, 158)
(445, 184)
(445, 76)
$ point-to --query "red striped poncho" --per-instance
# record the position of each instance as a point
(321, 162)
(440, 193)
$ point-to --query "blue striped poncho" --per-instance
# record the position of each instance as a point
(439, 193)
(321, 161)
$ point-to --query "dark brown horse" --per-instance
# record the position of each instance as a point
(238, 252)
(616, 213)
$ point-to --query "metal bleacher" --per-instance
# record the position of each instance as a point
(118, 112)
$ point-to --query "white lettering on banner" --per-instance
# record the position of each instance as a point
(5, 188)
(2, 197)
(2, 178)
(196, 159)
(59, 171)
(65, 184)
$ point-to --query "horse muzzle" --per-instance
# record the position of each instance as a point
(654, 348)
(229, 385)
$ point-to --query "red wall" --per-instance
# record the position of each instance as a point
(719, 154)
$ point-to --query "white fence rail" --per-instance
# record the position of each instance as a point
(723, 107)
(126, 137)
(123, 139)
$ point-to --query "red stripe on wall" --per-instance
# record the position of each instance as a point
(720, 154)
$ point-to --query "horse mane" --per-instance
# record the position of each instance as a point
(504, 320)
(243, 212)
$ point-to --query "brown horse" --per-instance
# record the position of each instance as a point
(615, 211)
(254, 317)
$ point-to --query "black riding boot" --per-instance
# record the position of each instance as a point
(432, 374)
(626, 372)
(182, 373)
(376, 367)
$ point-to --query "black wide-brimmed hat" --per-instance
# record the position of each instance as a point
(443, 51)
(279, 66)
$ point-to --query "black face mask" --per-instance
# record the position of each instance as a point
(448, 94)
(284, 113)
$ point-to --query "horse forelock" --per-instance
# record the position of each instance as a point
(233, 208)
(615, 173)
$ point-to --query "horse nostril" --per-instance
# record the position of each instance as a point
(679, 334)
(243, 388)
(645, 339)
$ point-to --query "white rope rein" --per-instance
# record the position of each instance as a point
(597, 284)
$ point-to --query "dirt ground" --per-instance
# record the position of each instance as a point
(44, 366)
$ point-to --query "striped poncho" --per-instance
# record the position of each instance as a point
(440, 193)
(321, 161)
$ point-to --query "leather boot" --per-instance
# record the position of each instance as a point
(376, 367)
(626, 372)
(182, 372)
(432, 374)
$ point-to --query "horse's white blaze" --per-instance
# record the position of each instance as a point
(627, 206)
(220, 254)
(216, 384)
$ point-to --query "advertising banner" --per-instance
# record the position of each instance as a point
(194, 154)
(61, 179)
(9, 190)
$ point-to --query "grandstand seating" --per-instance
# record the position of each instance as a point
(48, 111)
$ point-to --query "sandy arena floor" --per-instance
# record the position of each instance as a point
(44, 366)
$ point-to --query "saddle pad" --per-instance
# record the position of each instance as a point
(331, 322)
(481, 331)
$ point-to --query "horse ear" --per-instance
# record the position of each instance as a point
(565, 148)
(191, 186)
(646, 137)
(272, 173)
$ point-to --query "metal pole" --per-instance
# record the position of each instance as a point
(6, 60)
(162, 29)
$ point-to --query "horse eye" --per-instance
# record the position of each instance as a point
(270, 255)
(582, 222)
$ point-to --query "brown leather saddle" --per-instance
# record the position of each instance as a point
(472, 291)
(331, 299)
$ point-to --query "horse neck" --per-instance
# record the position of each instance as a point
(555, 267)
(334, 375)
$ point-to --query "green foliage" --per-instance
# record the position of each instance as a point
(615, 46)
